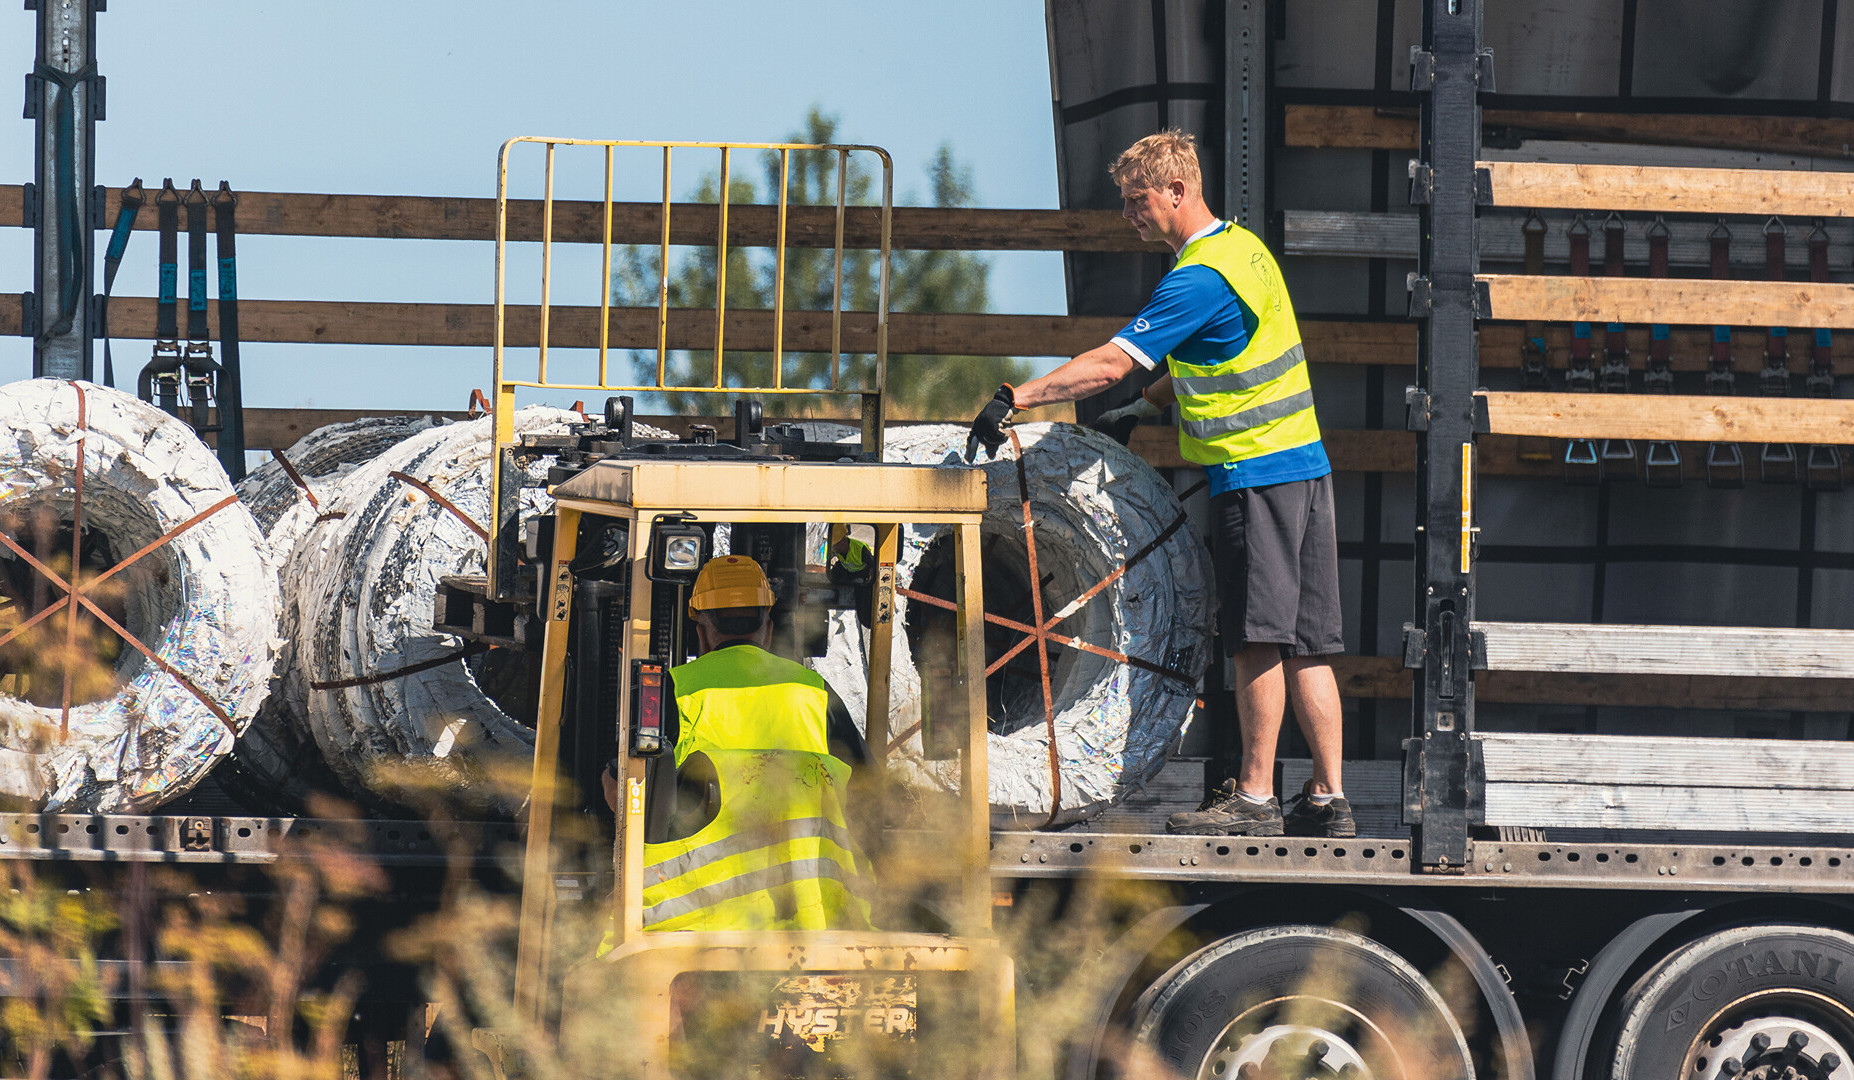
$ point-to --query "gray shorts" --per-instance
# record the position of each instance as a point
(1277, 556)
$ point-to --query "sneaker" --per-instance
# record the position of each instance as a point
(1227, 813)
(1308, 818)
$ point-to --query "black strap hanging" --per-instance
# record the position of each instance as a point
(159, 383)
(202, 372)
(1725, 462)
(1823, 471)
(231, 391)
(1776, 461)
(1613, 378)
(1582, 465)
(1661, 467)
(126, 213)
(1533, 371)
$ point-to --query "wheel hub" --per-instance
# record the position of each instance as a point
(1286, 1052)
(1774, 1044)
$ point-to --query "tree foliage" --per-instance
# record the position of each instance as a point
(919, 387)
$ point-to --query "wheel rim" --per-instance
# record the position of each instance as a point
(1300, 1038)
(1775, 1035)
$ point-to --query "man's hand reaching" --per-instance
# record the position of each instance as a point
(992, 422)
(1118, 424)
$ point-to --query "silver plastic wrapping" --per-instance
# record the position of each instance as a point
(1095, 504)
(206, 602)
(275, 765)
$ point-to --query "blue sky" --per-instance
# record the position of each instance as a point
(413, 98)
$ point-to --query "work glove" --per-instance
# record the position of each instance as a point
(1118, 424)
(989, 426)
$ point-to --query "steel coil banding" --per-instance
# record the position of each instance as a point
(1095, 504)
(205, 603)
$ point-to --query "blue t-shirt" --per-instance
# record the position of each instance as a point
(1195, 316)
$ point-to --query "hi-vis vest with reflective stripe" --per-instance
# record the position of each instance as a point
(777, 856)
(744, 698)
(1258, 401)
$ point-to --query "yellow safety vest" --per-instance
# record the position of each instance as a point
(777, 856)
(1258, 401)
(745, 698)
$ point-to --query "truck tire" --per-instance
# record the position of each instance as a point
(1301, 1001)
(205, 602)
(275, 766)
(363, 585)
(1095, 504)
(1750, 1001)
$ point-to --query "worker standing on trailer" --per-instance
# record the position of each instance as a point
(756, 836)
(1223, 324)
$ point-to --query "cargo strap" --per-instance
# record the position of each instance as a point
(464, 653)
(75, 589)
(1776, 461)
(1618, 454)
(73, 230)
(302, 486)
(1725, 461)
(1662, 466)
(1823, 470)
(126, 213)
(159, 384)
(1534, 373)
(441, 501)
(231, 384)
(1582, 463)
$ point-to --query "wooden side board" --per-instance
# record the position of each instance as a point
(1363, 127)
(1550, 297)
(1670, 190)
(1385, 678)
(418, 217)
(1672, 417)
(1657, 782)
(1738, 651)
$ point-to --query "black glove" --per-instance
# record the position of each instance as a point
(989, 426)
(1118, 424)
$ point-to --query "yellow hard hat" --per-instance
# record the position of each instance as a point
(730, 581)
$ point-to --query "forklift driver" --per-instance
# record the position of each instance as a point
(751, 833)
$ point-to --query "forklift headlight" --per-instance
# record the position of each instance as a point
(682, 554)
(678, 547)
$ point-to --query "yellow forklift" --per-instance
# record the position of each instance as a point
(603, 575)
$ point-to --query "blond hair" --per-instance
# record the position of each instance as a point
(1158, 159)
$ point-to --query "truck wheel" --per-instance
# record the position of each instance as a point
(1301, 1002)
(1753, 1001)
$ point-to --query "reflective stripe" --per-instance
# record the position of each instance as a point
(787, 873)
(1249, 418)
(742, 842)
(1229, 382)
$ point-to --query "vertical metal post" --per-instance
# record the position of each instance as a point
(64, 97)
(1446, 72)
(1245, 111)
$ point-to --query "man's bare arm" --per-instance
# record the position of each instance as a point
(1090, 373)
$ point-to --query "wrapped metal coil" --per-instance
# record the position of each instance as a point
(1095, 505)
(275, 765)
(142, 728)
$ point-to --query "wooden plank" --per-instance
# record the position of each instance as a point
(1550, 297)
(1752, 808)
(1385, 678)
(1673, 417)
(418, 217)
(1670, 190)
(1742, 651)
(278, 429)
(1672, 761)
(1364, 127)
